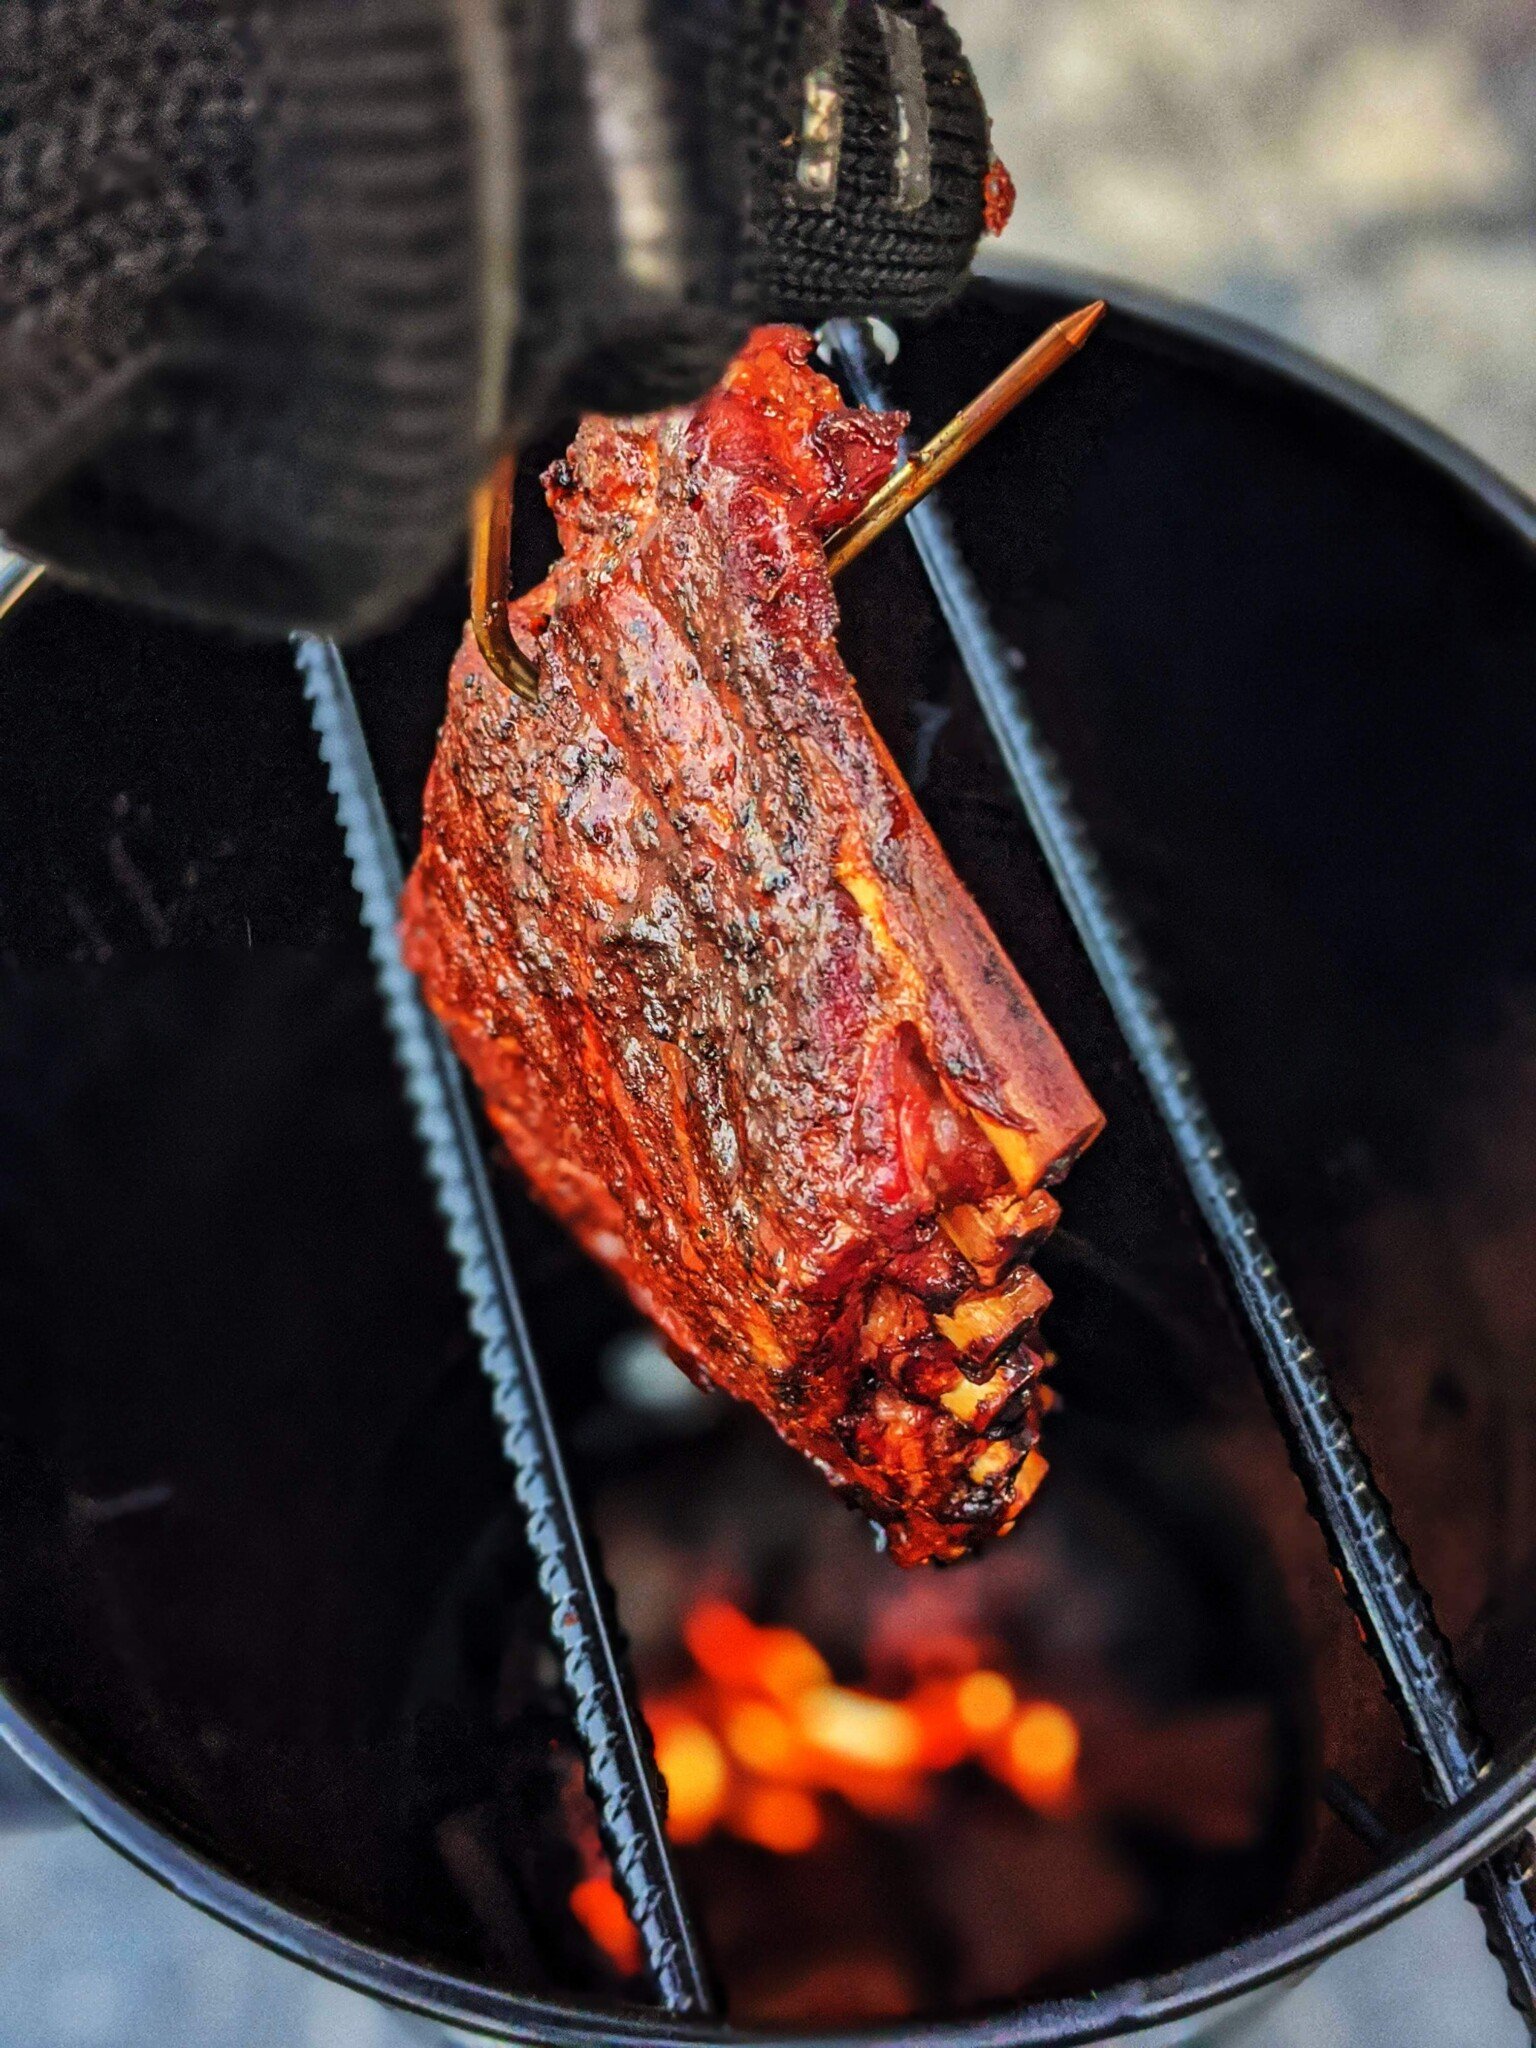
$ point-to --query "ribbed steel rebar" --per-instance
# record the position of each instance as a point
(621, 1770)
(1399, 1622)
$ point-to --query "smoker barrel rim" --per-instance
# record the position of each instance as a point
(1210, 327)
(1445, 1849)
(1449, 1845)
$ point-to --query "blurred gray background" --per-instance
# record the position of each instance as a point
(1358, 177)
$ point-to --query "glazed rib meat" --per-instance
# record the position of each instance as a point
(731, 1011)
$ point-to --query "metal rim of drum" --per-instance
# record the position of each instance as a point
(1443, 1851)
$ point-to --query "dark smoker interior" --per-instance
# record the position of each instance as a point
(262, 1573)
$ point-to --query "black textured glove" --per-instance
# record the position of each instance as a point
(275, 278)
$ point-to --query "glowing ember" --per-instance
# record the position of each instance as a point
(984, 1702)
(1041, 1755)
(761, 1738)
(691, 1761)
(735, 1652)
(777, 1817)
(601, 1912)
(859, 1729)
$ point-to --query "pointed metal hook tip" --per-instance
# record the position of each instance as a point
(936, 458)
(1079, 325)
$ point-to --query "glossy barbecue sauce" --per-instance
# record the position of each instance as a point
(997, 197)
(733, 1014)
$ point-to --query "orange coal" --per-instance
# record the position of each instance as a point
(760, 1739)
